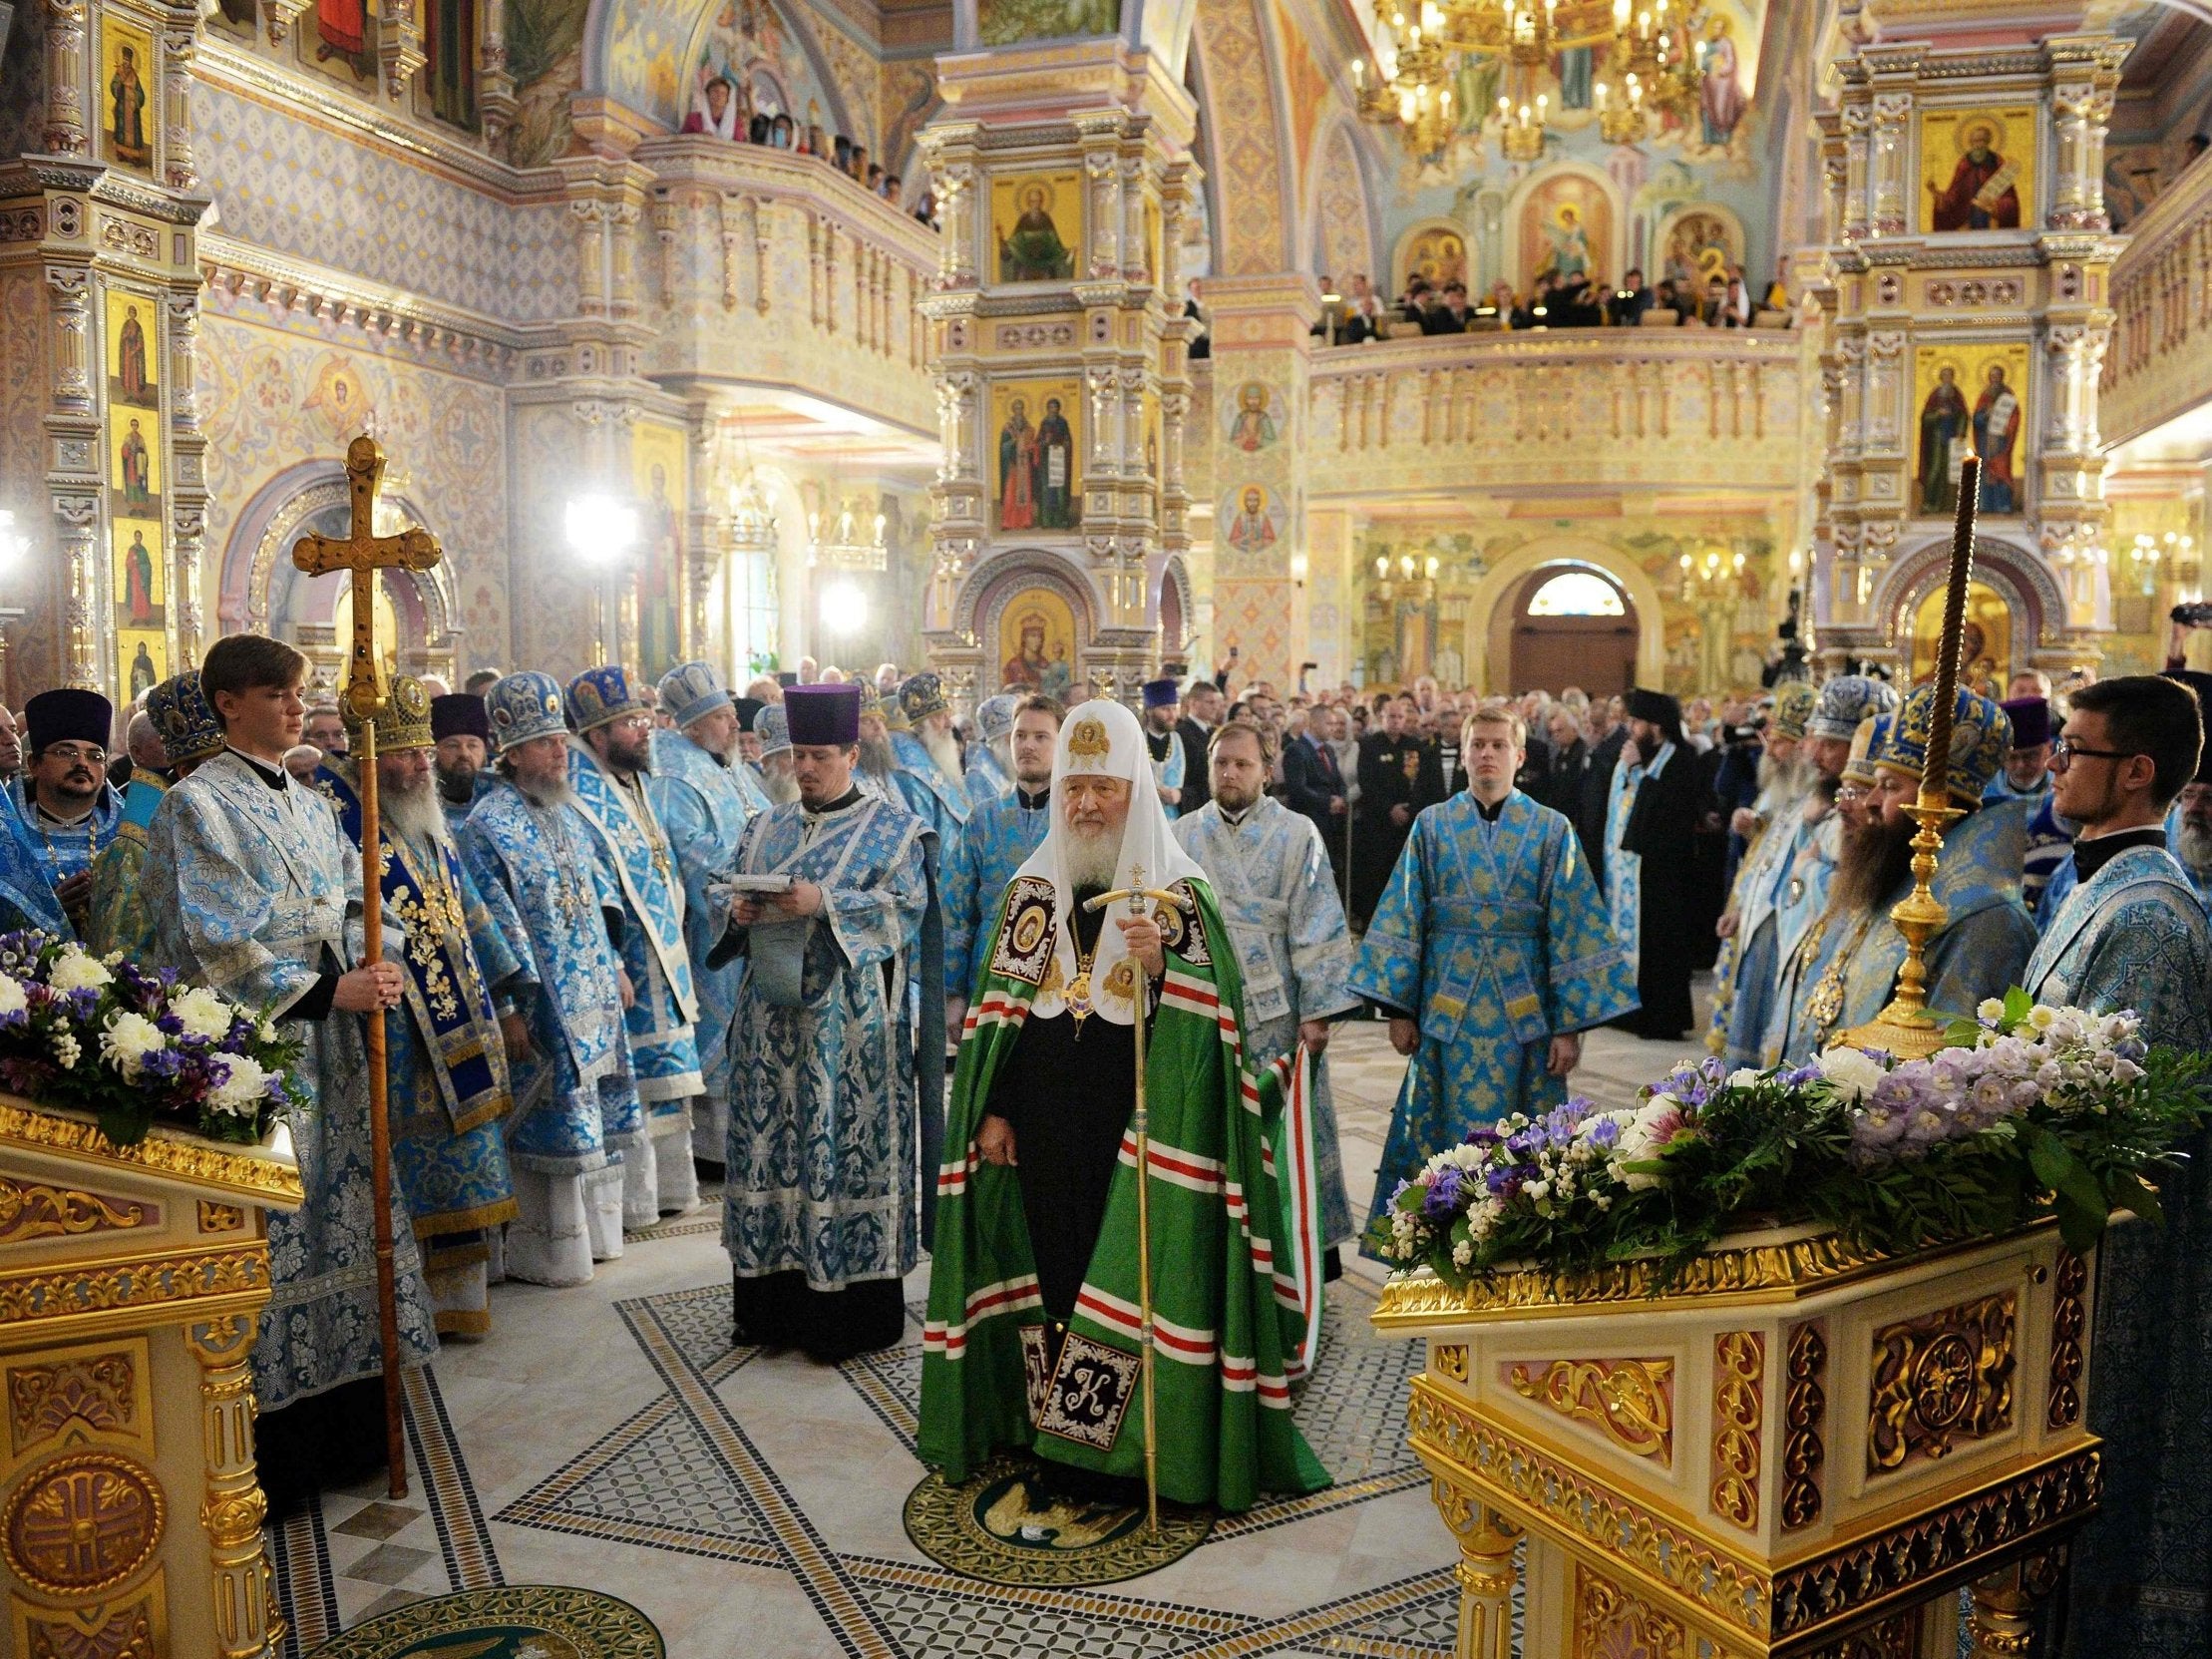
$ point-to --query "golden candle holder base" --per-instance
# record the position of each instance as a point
(1905, 1027)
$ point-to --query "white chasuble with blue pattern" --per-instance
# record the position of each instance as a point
(999, 838)
(574, 1098)
(822, 1177)
(632, 853)
(1272, 882)
(1493, 935)
(251, 889)
(704, 807)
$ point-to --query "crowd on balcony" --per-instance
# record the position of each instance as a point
(1574, 300)
(723, 107)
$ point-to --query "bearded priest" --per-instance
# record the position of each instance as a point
(1033, 1294)
(831, 903)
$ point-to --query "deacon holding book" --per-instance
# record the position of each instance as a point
(1037, 1292)
(830, 902)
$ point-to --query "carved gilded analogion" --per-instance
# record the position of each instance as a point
(1793, 1450)
(132, 1283)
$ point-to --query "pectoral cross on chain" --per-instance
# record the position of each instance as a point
(364, 552)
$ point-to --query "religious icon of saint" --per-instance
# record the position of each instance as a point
(1254, 428)
(656, 604)
(1252, 530)
(137, 492)
(131, 376)
(1570, 254)
(1033, 251)
(137, 583)
(1055, 470)
(1943, 427)
(343, 26)
(126, 123)
(1033, 663)
(142, 675)
(1017, 468)
(1996, 417)
(1720, 97)
(1982, 193)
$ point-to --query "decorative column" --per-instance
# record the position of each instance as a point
(495, 94)
(399, 45)
(1485, 1573)
(235, 1506)
(65, 78)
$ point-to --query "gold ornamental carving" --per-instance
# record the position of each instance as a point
(30, 1210)
(1611, 1623)
(82, 1523)
(220, 1218)
(1804, 1414)
(102, 1633)
(1671, 1555)
(1451, 1359)
(99, 1391)
(1938, 1381)
(2069, 1323)
(99, 1287)
(260, 1180)
(1738, 1411)
(1631, 1401)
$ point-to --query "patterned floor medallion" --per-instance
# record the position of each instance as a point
(1003, 1526)
(516, 1621)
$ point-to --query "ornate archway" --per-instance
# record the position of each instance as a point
(1490, 612)
(2037, 605)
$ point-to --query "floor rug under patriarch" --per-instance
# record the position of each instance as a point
(1001, 1525)
(513, 1621)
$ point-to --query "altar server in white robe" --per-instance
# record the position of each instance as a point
(1272, 878)
(576, 1114)
(704, 797)
(609, 759)
(257, 893)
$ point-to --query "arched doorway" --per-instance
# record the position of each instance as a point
(1573, 626)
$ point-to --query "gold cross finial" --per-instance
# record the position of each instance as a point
(364, 552)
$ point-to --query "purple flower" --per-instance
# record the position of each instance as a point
(1443, 1193)
(1484, 1139)
(1605, 1132)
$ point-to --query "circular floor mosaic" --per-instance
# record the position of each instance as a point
(516, 1621)
(1004, 1526)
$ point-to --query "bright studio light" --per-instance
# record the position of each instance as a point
(843, 609)
(601, 528)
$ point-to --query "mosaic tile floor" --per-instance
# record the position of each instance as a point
(609, 1436)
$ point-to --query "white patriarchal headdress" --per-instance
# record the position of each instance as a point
(1103, 739)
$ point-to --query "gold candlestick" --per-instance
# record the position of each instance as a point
(1905, 1027)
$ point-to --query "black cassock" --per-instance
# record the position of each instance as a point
(1393, 771)
(1661, 828)
(1068, 1093)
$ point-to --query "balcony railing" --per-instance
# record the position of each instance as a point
(2158, 365)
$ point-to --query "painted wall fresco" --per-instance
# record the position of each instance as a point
(658, 481)
(1970, 396)
(1978, 167)
(750, 43)
(545, 54)
(1036, 225)
(128, 105)
(1037, 441)
(270, 400)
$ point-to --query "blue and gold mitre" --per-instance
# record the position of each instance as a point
(1795, 701)
(405, 722)
(773, 729)
(522, 706)
(1981, 736)
(871, 702)
(692, 689)
(1872, 733)
(186, 724)
(922, 695)
(1846, 700)
(601, 694)
(994, 716)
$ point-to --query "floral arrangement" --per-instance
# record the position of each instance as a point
(103, 1036)
(2031, 1110)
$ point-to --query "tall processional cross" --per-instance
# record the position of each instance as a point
(367, 694)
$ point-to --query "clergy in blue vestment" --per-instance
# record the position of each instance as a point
(704, 800)
(62, 798)
(251, 884)
(188, 734)
(1274, 886)
(26, 890)
(990, 757)
(609, 759)
(1843, 973)
(447, 1047)
(1002, 834)
(577, 1112)
(463, 732)
(830, 1116)
(2131, 935)
(1774, 824)
(1492, 953)
(1163, 742)
(931, 778)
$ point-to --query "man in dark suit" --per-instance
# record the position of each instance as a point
(1607, 736)
(1201, 712)
(1625, 306)
(1565, 761)
(1398, 776)
(1313, 784)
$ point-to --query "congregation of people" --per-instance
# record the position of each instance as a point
(723, 107)
(1723, 299)
(849, 955)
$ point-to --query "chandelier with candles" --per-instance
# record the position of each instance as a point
(1647, 48)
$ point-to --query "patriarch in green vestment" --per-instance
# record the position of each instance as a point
(1032, 1338)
